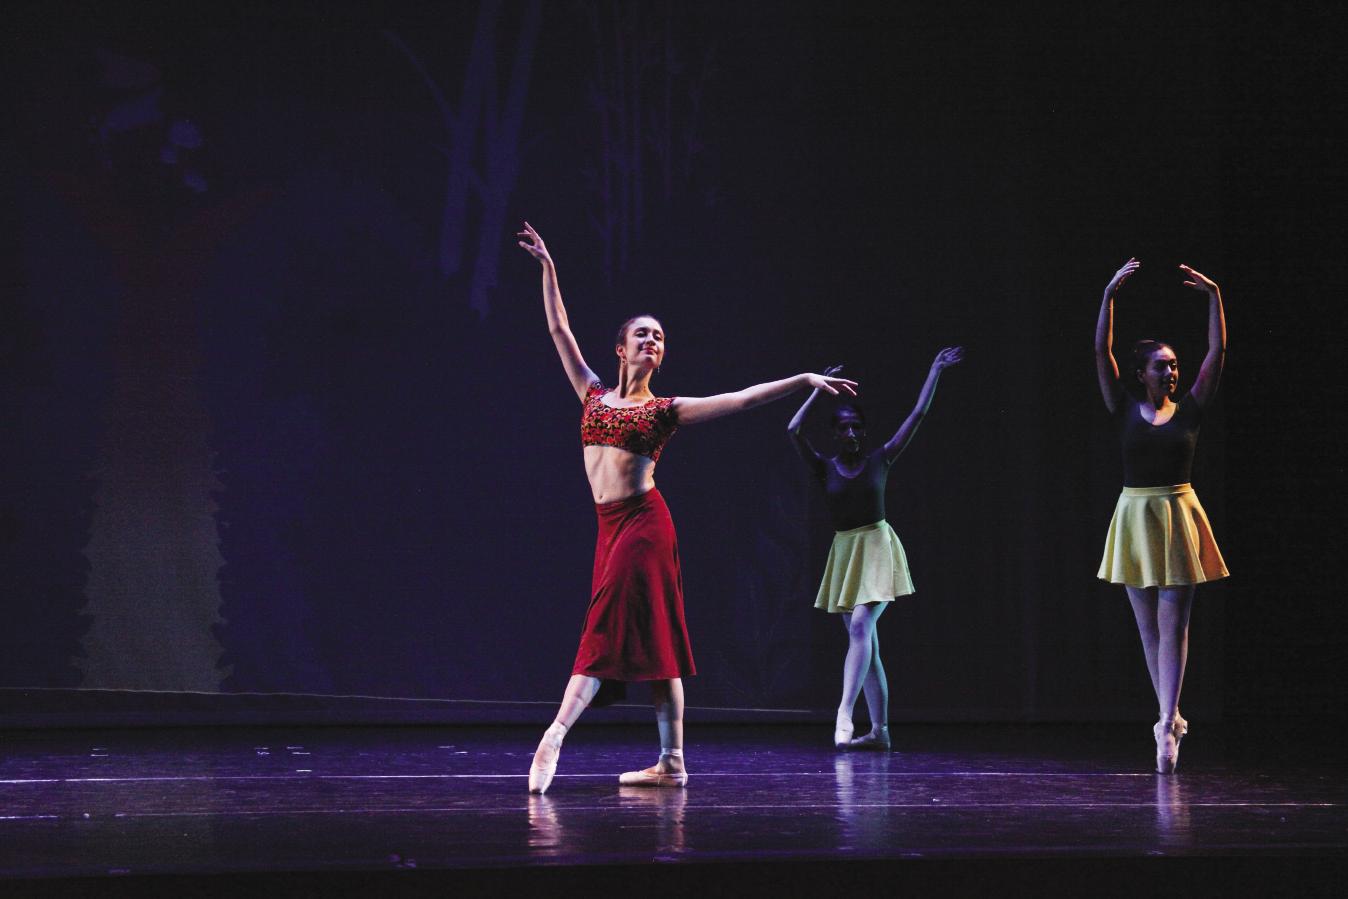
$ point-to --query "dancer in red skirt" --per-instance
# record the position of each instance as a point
(634, 628)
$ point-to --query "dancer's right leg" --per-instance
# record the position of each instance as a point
(580, 690)
(1144, 602)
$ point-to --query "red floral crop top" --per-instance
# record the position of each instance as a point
(643, 429)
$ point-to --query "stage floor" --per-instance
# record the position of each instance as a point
(234, 800)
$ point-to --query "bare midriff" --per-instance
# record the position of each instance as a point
(616, 474)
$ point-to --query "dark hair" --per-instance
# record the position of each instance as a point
(1142, 351)
(849, 407)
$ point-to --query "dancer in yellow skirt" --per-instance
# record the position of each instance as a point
(1160, 544)
(866, 565)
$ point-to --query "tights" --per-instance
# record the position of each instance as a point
(1163, 623)
(862, 669)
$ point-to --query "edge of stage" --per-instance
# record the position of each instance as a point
(416, 810)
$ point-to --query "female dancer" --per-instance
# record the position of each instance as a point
(634, 628)
(866, 565)
(1160, 543)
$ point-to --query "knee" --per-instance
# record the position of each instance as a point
(1176, 630)
(860, 631)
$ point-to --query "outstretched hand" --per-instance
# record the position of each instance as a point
(1123, 274)
(1198, 281)
(533, 244)
(830, 384)
(951, 355)
(832, 370)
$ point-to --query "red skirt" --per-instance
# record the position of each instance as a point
(634, 627)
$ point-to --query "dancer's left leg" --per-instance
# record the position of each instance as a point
(1172, 624)
(860, 624)
(876, 688)
(669, 771)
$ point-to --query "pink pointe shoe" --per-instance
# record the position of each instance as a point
(656, 776)
(653, 777)
(545, 759)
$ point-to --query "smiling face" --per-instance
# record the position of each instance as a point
(642, 343)
(1160, 373)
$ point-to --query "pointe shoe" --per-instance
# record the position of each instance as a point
(842, 733)
(540, 776)
(653, 777)
(1179, 727)
(876, 741)
(1167, 734)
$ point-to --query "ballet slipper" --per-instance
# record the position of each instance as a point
(875, 741)
(842, 731)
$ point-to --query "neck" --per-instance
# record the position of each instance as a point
(1158, 402)
(635, 382)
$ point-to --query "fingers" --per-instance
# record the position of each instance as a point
(849, 386)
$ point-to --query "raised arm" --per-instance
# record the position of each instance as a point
(1205, 387)
(693, 410)
(1106, 369)
(807, 452)
(558, 326)
(903, 436)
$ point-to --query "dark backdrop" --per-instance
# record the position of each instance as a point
(281, 414)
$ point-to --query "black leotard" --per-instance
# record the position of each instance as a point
(1159, 455)
(858, 501)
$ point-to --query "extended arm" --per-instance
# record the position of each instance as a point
(1205, 387)
(693, 410)
(807, 452)
(1106, 369)
(904, 435)
(559, 327)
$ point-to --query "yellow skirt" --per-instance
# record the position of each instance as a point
(865, 564)
(1160, 537)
